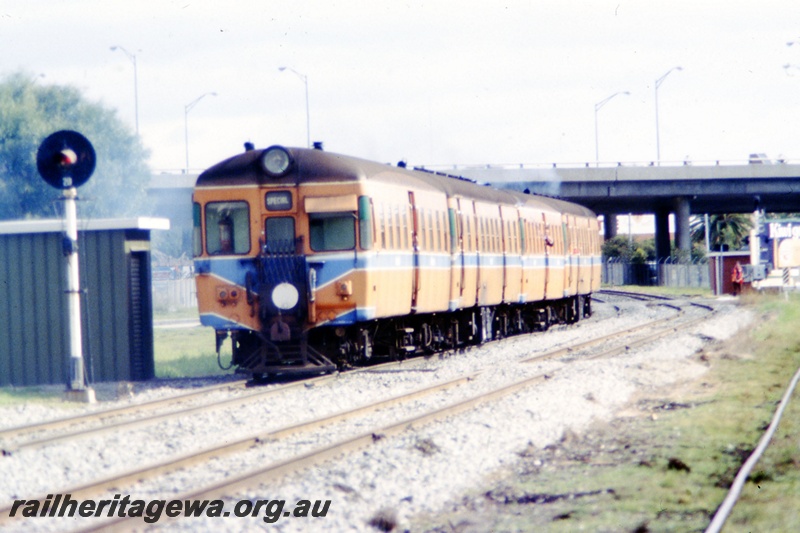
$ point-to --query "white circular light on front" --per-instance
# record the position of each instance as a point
(276, 161)
(285, 296)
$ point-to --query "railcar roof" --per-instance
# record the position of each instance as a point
(320, 166)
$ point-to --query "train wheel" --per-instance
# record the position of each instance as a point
(572, 310)
(587, 307)
(487, 324)
(365, 345)
(453, 340)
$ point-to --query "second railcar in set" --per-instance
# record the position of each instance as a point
(309, 260)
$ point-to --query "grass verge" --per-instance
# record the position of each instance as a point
(41, 394)
(188, 352)
(674, 292)
(178, 352)
(668, 463)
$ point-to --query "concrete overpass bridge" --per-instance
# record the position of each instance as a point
(658, 190)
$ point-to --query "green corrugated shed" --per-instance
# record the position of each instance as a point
(116, 307)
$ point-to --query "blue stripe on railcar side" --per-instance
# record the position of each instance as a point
(229, 269)
(220, 322)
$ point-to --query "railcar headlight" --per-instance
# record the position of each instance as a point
(285, 296)
(276, 161)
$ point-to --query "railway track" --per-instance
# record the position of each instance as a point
(621, 341)
(142, 414)
(99, 416)
(174, 407)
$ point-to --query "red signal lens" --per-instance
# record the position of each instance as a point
(67, 157)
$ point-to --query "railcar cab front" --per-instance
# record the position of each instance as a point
(278, 232)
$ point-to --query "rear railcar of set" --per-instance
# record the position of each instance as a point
(310, 260)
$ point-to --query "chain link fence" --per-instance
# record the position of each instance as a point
(665, 273)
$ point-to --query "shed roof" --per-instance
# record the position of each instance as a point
(12, 227)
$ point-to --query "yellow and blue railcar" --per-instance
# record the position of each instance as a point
(309, 260)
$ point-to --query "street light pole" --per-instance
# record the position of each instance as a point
(132, 58)
(188, 107)
(659, 81)
(304, 79)
(597, 107)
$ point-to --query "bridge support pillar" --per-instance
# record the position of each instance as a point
(683, 237)
(662, 233)
(609, 226)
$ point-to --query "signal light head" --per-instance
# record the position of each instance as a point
(65, 159)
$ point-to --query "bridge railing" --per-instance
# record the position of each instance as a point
(454, 168)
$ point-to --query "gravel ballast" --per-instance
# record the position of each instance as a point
(395, 478)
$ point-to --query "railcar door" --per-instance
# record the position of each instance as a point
(569, 267)
(415, 278)
(456, 255)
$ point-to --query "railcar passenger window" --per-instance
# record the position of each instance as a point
(280, 235)
(227, 228)
(439, 231)
(470, 232)
(197, 237)
(398, 226)
(405, 228)
(390, 227)
(430, 231)
(382, 221)
(332, 231)
(365, 222)
(421, 235)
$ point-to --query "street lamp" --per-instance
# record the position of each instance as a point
(132, 58)
(304, 79)
(659, 81)
(597, 107)
(188, 107)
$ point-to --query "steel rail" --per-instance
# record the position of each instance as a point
(315, 457)
(568, 350)
(107, 413)
(190, 459)
(145, 421)
(312, 458)
(97, 416)
(11, 433)
(725, 508)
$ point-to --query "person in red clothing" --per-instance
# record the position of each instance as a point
(737, 277)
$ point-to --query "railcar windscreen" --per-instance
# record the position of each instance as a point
(227, 228)
(280, 235)
(332, 231)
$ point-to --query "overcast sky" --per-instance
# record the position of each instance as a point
(430, 82)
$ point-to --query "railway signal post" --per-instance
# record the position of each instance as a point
(66, 160)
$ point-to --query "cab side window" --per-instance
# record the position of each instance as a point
(332, 231)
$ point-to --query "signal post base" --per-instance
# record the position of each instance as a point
(80, 395)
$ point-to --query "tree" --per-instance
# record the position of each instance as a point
(29, 112)
(727, 231)
(621, 247)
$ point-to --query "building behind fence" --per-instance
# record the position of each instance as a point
(664, 273)
(174, 294)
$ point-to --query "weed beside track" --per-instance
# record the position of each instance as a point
(666, 462)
